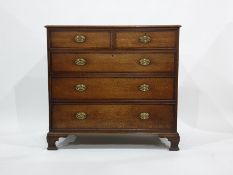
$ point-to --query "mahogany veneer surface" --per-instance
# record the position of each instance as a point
(113, 80)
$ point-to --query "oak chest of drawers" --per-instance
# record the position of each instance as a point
(113, 80)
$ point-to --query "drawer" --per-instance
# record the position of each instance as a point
(79, 39)
(140, 62)
(105, 116)
(112, 88)
(159, 39)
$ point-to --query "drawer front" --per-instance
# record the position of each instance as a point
(113, 116)
(160, 39)
(112, 88)
(79, 39)
(140, 62)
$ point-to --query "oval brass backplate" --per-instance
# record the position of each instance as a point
(80, 62)
(144, 61)
(144, 115)
(80, 87)
(79, 38)
(144, 87)
(81, 115)
(145, 39)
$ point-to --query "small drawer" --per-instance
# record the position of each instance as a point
(79, 39)
(112, 88)
(158, 39)
(140, 62)
(120, 116)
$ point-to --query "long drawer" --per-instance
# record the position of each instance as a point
(112, 88)
(107, 116)
(130, 62)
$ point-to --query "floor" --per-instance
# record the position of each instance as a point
(201, 152)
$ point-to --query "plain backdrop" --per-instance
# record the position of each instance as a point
(205, 109)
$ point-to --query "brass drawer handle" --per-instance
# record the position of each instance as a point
(144, 116)
(80, 87)
(80, 38)
(80, 62)
(144, 87)
(144, 61)
(81, 115)
(145, 39)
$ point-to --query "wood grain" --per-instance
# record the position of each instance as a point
(112, 74)
(158, 39)
(94, 40)
(159, 62)
(113, 116)
(112, 88)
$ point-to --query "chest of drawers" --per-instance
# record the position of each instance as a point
(113, 80)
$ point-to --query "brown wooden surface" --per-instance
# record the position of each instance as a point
(105, 93)
(158, 39)
(93, 39)
(112, 88)
(122, 27)
(159, 62)
(113, 116)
